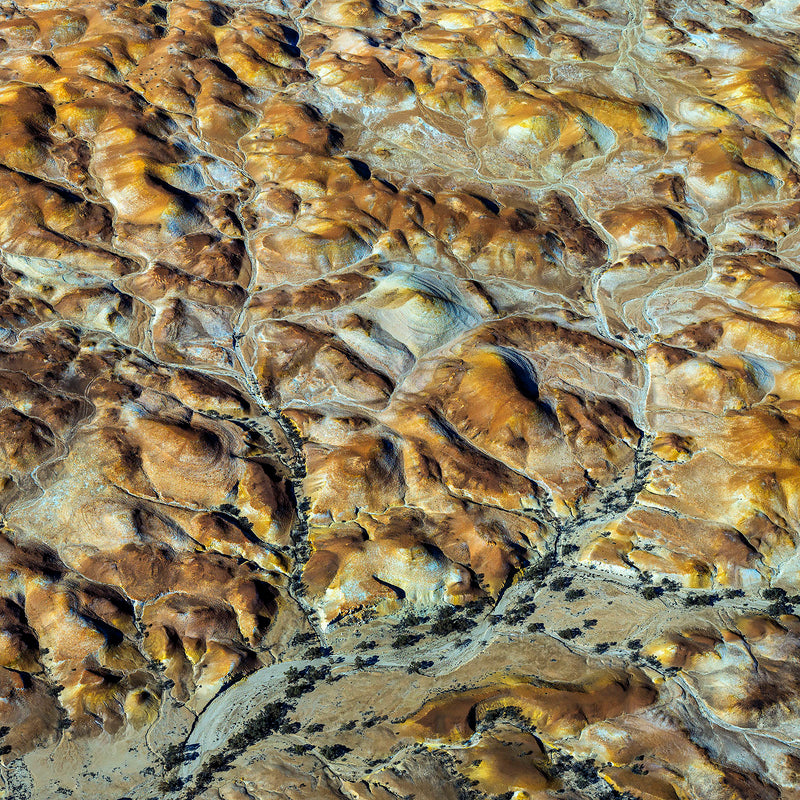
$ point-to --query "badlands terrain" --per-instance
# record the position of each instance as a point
(399, 400)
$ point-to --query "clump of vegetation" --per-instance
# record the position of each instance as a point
(574, 594)
(447, 621)
(4, 731)
(560, 584)
(406, 639)
(700, 599)
(299, 689)
(781, 604)
(410, 619)
(218, 762)
(781, 607)
(302, 638)
(652, 592)
(516, 615)
(176, 754)
(331, 752)
(477, 606)
(266, 722)
(315, 727)
(583, 774)
(540, 570)
(289, 727)
(170, 784)
(511, 713)
(570, 633)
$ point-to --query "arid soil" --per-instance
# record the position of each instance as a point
(399, 400)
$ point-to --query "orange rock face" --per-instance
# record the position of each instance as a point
(399, 400)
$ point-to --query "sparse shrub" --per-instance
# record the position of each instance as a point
(574, 594)
(570, 633)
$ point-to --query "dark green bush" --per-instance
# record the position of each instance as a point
(333, 751)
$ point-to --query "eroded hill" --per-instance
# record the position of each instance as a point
(399, 400)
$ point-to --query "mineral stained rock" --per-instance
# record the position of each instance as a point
(399, 399)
